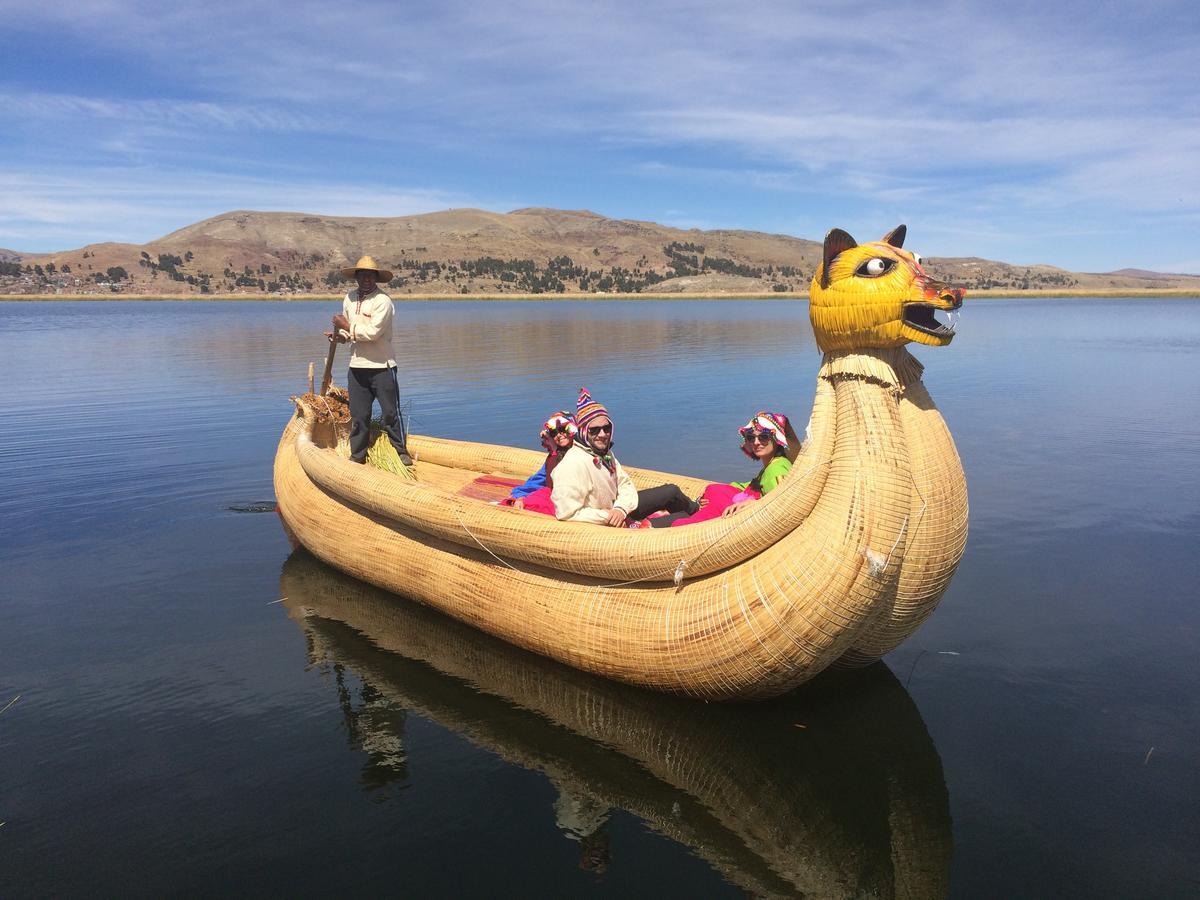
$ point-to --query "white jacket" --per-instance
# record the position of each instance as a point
(370, 330)
(585, 491)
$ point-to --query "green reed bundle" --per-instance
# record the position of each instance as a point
(380, 454)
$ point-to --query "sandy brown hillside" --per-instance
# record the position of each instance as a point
(471, 251)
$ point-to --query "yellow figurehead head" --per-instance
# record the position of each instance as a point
(876, 295)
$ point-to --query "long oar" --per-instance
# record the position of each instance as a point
(327, 378)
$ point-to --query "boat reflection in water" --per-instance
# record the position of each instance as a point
(834, 790)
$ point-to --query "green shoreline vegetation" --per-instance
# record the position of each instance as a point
(1132, 293)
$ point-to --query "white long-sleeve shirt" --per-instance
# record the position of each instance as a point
(370, 330)
(586, 492)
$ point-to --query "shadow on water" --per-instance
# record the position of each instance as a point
(252, 506)
(835, 790)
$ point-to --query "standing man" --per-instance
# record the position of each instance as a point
(366, 322)
(591, 486)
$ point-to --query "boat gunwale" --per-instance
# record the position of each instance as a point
(583, 549)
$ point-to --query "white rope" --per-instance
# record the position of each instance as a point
(515, 569)
(677, 575)
(879, 569)
(903, 534)
(682, 563)
(480, 543)
(924, 502)
(651, 577)
(743, 520)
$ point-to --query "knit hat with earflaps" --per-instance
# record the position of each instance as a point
(559, 421)
(586, 410)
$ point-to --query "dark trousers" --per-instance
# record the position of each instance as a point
(665, 496)
(365, 386)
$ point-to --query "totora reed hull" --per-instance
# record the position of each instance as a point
(837, 565)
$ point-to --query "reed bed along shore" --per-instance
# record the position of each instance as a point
(399, 298)
(999, 293)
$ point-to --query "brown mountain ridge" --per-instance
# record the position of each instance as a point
(472, 251)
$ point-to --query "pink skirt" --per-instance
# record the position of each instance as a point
(539, 502)
(720, 497)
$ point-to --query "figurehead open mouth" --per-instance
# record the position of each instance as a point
(937, 321)
(935, 315)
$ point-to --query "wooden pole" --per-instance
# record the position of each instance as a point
(327, 378)
(312, 385)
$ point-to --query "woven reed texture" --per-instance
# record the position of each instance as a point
(783, 609)
(852, 805)
(434, 505)
(937, 535)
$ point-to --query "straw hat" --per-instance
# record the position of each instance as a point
(368, 262)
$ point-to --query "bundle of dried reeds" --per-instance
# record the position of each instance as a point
(380, 454)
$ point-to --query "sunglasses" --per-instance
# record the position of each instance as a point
(754, 437)
(559, 429)
(594, 430)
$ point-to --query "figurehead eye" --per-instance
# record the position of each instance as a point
(918, 258)
(875, 267)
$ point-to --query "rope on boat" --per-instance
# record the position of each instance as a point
(678, 569)
(741, 521)
(877, 568)
(678, 574)
(480, 543)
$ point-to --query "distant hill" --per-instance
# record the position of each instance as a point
(9, 255)
(472, 251)
(1143, 273)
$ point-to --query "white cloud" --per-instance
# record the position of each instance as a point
(66, 108)
(135, 206)
(1061, 115)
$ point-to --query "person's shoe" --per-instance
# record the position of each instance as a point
(405, 458)
(361, 462)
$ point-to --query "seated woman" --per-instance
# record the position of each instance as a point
(557, 436)
(767, 438)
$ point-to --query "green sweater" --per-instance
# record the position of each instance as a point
(768, 478)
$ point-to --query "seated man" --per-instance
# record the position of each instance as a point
(591, 486)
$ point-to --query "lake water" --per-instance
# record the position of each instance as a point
(179, 731)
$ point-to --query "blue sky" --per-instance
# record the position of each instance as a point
(1064, 133)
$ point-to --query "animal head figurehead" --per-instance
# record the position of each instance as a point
(876, 295)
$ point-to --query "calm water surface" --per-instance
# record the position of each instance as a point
(179, 731)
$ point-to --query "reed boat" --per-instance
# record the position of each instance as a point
(851, 804)
(837, 565)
